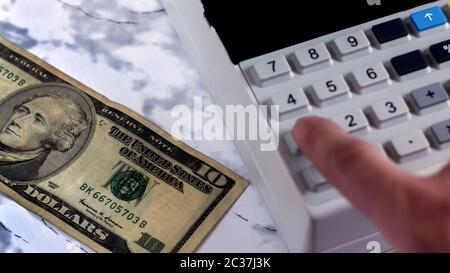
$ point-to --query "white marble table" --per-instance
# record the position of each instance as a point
(128, 51)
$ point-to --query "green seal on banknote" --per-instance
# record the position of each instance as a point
(128, 185)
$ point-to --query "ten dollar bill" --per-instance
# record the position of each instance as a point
(99, 171)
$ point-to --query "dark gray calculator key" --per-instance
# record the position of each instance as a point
(441, 52)
(389, 31)
(441, 133)
(409, 63)
(429, 96)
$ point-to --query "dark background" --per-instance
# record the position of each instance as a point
(249, 28)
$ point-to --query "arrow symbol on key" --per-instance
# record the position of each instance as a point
(429, 16)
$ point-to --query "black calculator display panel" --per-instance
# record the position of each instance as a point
(250, 28)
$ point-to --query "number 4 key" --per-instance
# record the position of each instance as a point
(290, 100)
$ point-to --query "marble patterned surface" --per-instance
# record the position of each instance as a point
(128, 51)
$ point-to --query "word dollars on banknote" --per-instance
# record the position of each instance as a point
(99, 171)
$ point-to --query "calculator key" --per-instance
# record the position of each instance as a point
(312, 58)
(370, 78)
(409, 63)
(389, 112)
(292, 145)
(428, 97)
(352, 121)
(266, 72)
(409, 147)
(330, 91)
(381, 149)
(428, 18)
(352, 45)
(314, 179)
(390, 31)
(441, 134)
(441, 52)
(290, 100)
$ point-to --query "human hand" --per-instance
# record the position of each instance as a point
(412, 212)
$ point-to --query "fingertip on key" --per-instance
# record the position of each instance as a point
(305, 128)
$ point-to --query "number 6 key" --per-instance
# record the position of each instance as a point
(370, 78)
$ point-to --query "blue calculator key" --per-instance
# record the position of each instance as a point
(390, 30)
(409, 62)
(429, 18)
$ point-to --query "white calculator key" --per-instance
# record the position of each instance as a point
(330, 91)
(389, 112)
(410, 146)
(352, 45)
(352, 121)
(265, 72)
(370, 78)
(312, 58)
(290, 100)
(314, 179)
(291, 144)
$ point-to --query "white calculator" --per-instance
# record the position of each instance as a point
(378, 68)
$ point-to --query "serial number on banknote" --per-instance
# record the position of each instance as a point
(113, 206)
(11, 76)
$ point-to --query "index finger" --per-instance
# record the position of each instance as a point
(363, 174)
